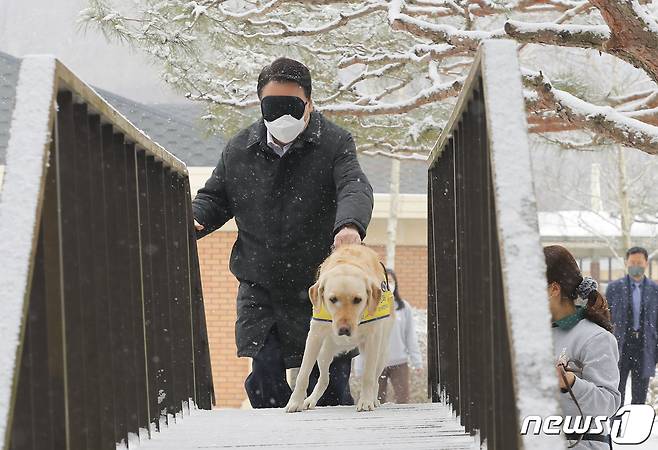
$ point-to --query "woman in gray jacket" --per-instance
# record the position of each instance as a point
(585, 348)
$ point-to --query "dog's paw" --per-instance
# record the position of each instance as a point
(365, 404)
(295, 405)
(310, 403)
(377, 403)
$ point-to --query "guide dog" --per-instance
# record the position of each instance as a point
(352, 307)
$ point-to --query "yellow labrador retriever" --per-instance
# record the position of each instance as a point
(347, 313)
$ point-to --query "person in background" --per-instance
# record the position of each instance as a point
(403, 349)
(585, 348)
(634, 307)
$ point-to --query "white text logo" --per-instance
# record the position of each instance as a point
(631, 424)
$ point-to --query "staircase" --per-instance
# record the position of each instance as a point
(420, 426)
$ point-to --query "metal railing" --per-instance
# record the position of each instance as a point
(104, 335)
(489, 342)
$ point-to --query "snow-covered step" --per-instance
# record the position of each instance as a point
(420, 426)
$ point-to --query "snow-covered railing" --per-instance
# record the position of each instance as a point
(102, 335)
(489, 343)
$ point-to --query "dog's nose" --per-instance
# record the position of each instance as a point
(344, 331)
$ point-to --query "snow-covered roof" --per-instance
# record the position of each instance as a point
(591, 225)
(176, 127)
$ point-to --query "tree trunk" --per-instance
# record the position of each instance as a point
(595, 186)
(392, 229)
(624, 204)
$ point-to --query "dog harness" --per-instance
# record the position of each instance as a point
(383, 308)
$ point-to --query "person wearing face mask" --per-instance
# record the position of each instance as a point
(585, 349)
(634, 306)
(293, 183)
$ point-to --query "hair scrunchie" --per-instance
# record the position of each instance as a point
(586, 287)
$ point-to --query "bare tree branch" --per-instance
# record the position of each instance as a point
(394, 155)
(288, 31)
(583, 36)
(468, 40)
(424, 97)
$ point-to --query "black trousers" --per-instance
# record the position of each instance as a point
(267, 386)
(630, 361)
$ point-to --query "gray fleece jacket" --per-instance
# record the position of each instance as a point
(594, 350)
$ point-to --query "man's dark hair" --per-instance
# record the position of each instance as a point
(636, 250)
(285, 70)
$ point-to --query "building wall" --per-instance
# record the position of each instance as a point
(220, 290)
(411, 270)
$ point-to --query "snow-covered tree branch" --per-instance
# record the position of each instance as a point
(604, 121)
(583, 36)
(390, 70)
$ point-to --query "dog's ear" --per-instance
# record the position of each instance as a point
(374, 295)
(315, 294)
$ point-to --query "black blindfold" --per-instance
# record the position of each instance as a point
(275, 106)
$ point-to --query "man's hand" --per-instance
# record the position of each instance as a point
(198, 226)
(347, 235)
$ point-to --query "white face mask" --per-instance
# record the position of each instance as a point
(286, 128)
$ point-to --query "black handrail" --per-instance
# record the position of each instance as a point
(475, 355)
(466, 318)
(114, 340)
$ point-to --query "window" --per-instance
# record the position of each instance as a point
(604, 270)
(617, 268)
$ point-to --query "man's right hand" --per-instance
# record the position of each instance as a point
(198, 226)
(349, 234)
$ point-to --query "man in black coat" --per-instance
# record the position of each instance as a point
(294, 185)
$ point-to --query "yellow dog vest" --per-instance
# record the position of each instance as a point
(383, 309)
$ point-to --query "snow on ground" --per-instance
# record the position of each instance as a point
(652, 442)
(425, 426)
